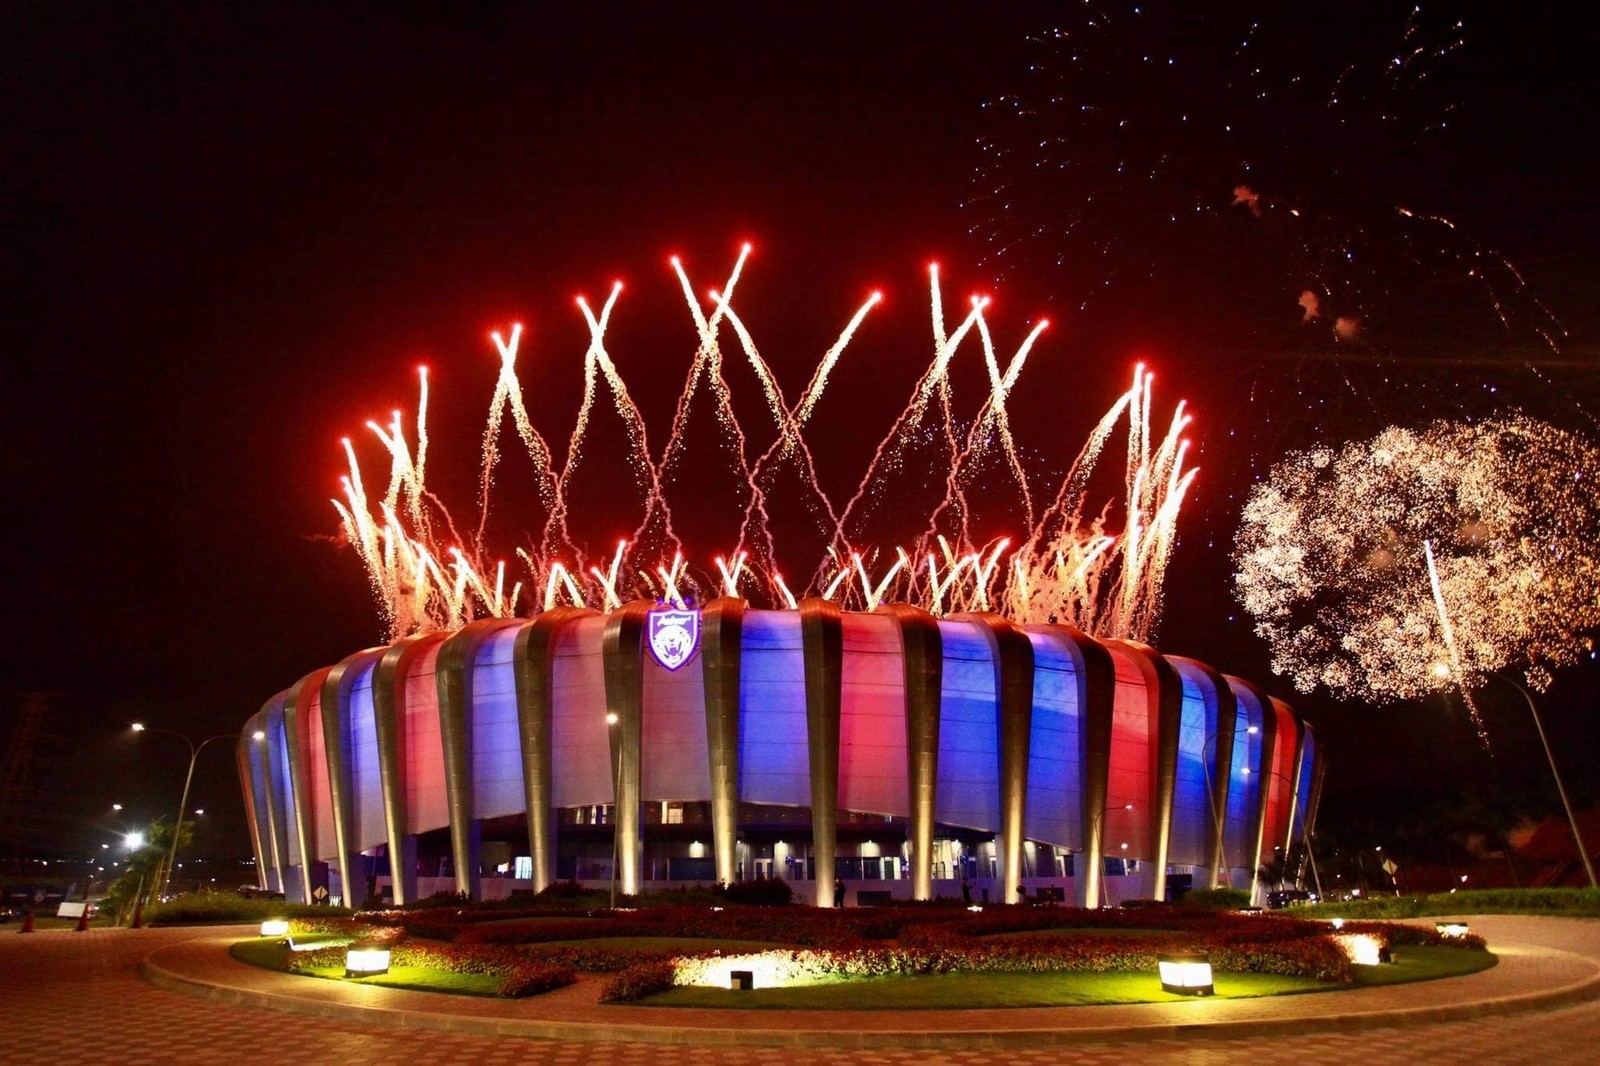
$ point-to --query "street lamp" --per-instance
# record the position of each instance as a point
(183, 803)
(1572, 822)
(1305, 833)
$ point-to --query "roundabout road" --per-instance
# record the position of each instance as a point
(74, 997)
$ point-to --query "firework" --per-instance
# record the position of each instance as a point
(1394, 565)
(1265, 194)
(1059, 563)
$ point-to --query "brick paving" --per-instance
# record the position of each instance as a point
(78, 996)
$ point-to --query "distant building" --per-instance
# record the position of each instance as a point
(892, 750)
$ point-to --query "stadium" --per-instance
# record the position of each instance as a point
(895, 753)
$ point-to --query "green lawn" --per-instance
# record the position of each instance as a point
(271, 954)
(1420, 963)
(954, 991)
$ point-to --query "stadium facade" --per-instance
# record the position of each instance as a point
(892, 750)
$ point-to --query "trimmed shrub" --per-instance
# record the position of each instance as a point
(762, 892)
(1216, 899)
(202, 907)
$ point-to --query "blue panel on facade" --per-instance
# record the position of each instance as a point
(1191, 796)
(1307, 764)
(1054, 809)
(773, 762)
(1244, 788)
(366, 786)
(278, 747)
(969, 730)
(496, 741)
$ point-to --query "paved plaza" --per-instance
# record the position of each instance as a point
(175, 996)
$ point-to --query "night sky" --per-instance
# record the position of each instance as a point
(234, 230)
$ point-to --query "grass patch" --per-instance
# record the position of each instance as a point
(955, 991)
(420, 979)
(272, 953)
(1580, 902)
(1423, 963)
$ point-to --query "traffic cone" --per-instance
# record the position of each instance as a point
(83, 921)
(27, 922)
(138, 914)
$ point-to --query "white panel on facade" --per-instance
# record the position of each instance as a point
(496, 738)
(579, 735)
(423, 746)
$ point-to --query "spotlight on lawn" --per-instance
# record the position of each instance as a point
(366, 960)
(1185, 975)
(741, 980)
(1363, 949)
(275, 927)
(1453, 930)
(1338, 923)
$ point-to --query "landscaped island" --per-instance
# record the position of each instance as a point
(928, 955)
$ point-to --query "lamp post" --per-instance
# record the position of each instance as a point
(183, 802)
(1566, 804)
(1305, 834)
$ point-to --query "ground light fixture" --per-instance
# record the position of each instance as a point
(1363, 949)
(1185, 974)
(366, 960)
(275, 927)
(1454, 930)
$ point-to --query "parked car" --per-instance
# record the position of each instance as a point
(1288, 898)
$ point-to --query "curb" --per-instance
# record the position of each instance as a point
(154, 973)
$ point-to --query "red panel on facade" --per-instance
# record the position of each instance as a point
(1280, 781)
(872, 719)
(1133, 728)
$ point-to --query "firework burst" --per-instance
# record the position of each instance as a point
(1394, 565)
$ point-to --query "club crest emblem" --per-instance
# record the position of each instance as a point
(674, 635)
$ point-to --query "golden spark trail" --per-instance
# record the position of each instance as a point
(1070, 567)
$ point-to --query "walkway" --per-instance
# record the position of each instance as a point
(71, 996)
